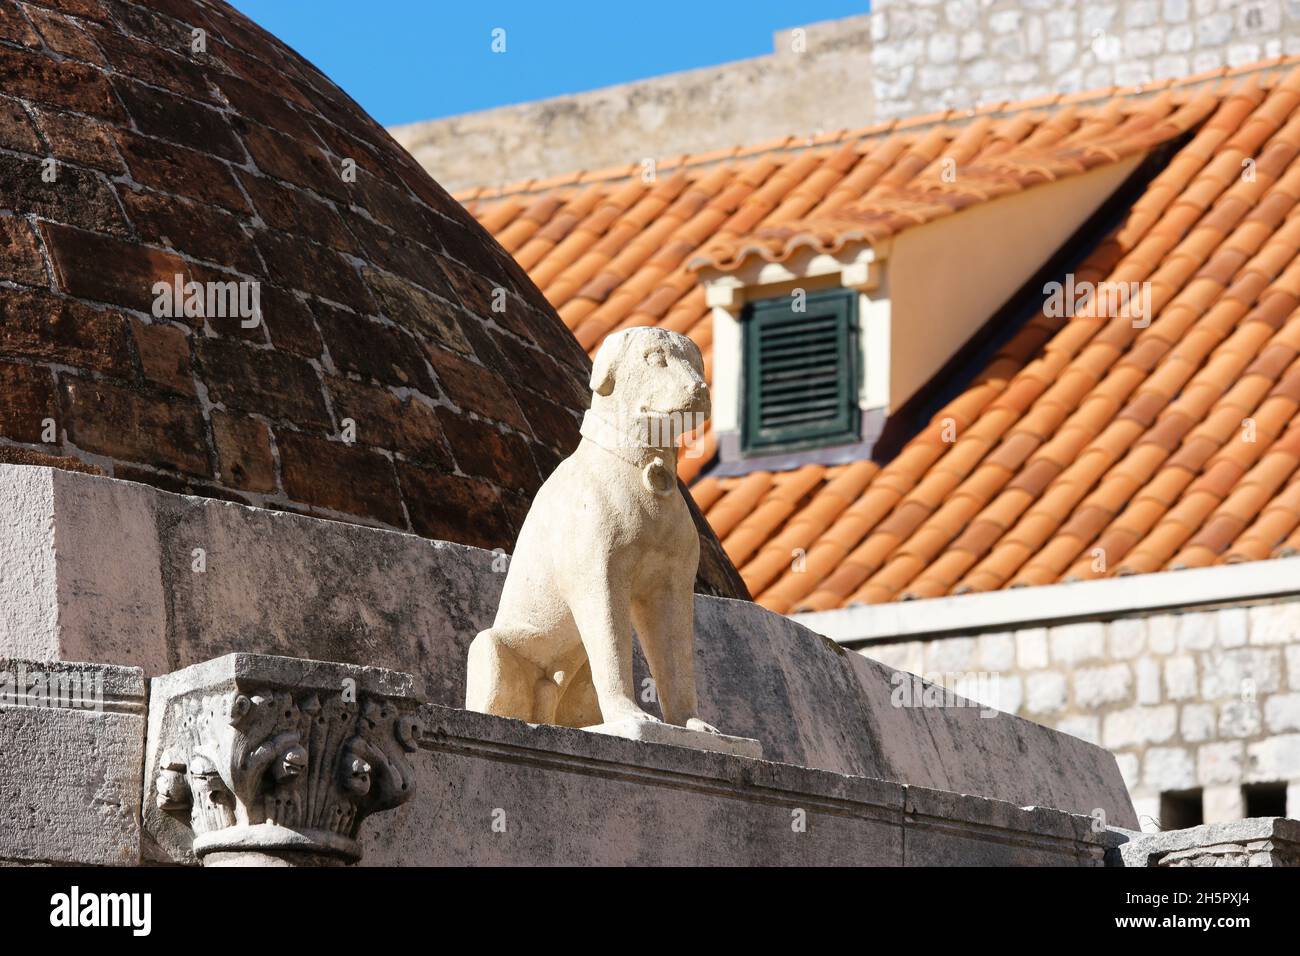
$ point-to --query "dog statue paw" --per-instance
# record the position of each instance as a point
(695, 723)
(607, 546)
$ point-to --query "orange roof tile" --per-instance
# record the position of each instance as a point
(1088, 447)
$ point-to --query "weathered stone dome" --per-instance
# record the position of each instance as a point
(168, 166)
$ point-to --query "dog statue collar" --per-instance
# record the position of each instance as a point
(656, 475)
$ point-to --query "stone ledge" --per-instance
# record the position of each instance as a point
(668, 735)
(568, 797)
(1260, 841)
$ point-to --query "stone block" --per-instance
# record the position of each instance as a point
(1129, 767)
(972, 45)
(1273, 759)
(1098, 686)
(1214, 30)
(1232, 627)
(1220, 762)
(1144, 43)
(904, 656)
(1239, 718)
(961, 14)
(1084, 726)
(1004, 21)
(1162, 633)
(1060, 24)
(1204, 60)
(1073, 644)
(1168, 768)
(1061, 53)
(1031, 648)
(1180, 677)
(1141, 13)
(942, 48)
(997, 652)
(1241, 673)
(948, 829)
(1197, 722)
(1098, 17)
(1046, 693)
(73, 748)
(1282, 712)
(1196, 630)
(1126, 638)
(1222, 803)
(1009, 693)
(1275, 623)
(1139, 725)
(950, 655)
(1148, 681)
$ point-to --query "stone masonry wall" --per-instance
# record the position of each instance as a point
(939, 54)
(1205, 700)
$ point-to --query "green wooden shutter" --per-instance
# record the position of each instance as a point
(800, 377)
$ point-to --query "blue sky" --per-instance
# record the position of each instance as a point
(406, 60)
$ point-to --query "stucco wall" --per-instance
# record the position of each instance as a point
(814, 81)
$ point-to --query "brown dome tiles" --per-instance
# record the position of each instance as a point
(382, 300)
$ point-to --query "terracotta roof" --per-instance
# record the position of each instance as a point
(942, 173)
(1087, 447)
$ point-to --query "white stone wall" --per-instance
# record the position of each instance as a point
(1204, 700)
(938, 54)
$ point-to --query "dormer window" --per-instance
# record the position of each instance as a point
(801, 371)
(886, 308)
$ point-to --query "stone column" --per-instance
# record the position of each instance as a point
(255, 760)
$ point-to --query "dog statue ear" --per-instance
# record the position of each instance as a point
(602, 369)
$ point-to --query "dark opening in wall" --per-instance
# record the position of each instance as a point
(1264, 799)
(1180, 809)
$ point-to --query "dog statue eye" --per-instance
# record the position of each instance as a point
(656, 358)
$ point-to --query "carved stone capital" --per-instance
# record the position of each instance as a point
(259, 760)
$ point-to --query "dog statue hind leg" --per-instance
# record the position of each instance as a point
(499, 680)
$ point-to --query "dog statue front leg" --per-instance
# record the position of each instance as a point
(666, 626)
(604, 622)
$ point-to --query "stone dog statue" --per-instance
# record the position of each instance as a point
(608, 544)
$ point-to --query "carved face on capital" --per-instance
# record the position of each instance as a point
(652, 376)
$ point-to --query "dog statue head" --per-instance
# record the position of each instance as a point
(652, 380)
